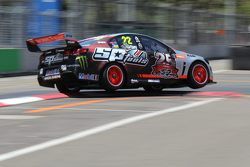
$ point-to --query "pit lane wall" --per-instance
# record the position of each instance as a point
(240, 55)
(10, 60)
(17, 60)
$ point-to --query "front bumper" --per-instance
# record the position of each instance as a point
(212, 82)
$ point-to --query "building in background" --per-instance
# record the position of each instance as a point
(44, 18)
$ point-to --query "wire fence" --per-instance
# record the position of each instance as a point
(182, 26)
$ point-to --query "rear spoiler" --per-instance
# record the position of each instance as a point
(32, 44)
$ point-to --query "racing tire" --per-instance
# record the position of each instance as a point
(63, 88)
(113, 77)
(198, 75)
(153, 88)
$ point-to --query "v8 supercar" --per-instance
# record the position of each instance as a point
(114, 61)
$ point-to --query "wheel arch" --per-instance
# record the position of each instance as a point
(198, 61)
(191, 81)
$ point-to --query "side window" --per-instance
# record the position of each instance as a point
(146, 43)
(126, 42)
(151, 45)
(158, 47)
(113, 43)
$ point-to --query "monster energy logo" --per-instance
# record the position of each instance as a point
(83, 61)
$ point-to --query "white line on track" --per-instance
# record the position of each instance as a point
(220, 71)
(100, 129)
(19, 117)
(20, 100)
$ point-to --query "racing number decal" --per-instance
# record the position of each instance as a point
(127, 40)
(162, 58)
(165, 66)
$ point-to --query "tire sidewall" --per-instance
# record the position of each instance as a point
(191, 80)
(62, 88)
(105, 82)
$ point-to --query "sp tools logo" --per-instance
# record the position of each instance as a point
(53, 59)
(83, 61)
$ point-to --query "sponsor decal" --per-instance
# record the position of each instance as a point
(52, 72)
(83, 62)
(52, 77)
(191, 55)
(53, 59)
(134, 81)
(63, 67)
(73, 65)
(137, 40)
(101, 42)
(148, 76)
(91, 77)
(154, 81)
(165, 66)
(135, 57)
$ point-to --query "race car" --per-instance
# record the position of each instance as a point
(116, 61)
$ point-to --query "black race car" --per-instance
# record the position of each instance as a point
(114, 61)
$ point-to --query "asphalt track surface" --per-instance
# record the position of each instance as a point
(177, 128)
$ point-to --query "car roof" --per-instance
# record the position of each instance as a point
(108, 36)
(128, 33)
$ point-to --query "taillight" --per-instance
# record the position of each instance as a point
(82, 51)
(67, 52)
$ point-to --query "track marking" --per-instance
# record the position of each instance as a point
(100, 129)
(218, 94)
(103, 109)
(19, 117)
(14, 101)
(234, 81)
(220, 71)
(29, 99)
(74, 105)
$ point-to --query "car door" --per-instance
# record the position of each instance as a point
(161, 57)
(135, 58)
(134, 53)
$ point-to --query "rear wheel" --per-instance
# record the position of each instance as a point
(153, 88)
(113, 77)
(198, 75)
(66, 89)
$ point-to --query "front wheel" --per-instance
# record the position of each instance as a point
(113, 77)
(198, 75)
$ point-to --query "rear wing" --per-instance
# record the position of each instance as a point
(32, 44)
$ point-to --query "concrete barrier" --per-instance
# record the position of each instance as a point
(211, 52)
(29, 60)
(240, 57)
